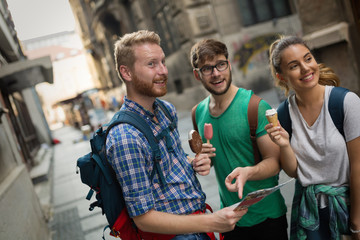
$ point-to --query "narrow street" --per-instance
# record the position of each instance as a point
(71, 217)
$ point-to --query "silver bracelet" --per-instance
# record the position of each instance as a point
(354, 231)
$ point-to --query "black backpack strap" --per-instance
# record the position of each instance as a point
(138, 122)
(284, 116)
(252, 113)
(336, 107)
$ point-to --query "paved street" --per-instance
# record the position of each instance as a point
(71, 217)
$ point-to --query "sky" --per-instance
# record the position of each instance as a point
(37, 18)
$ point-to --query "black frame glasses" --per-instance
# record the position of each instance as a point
(208, 70)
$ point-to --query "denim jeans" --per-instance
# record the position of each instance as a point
(194, 236)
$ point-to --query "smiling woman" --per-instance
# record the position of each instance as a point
(318, 155)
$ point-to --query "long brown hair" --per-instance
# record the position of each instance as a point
(327, 75)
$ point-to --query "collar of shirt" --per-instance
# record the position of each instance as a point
(137, 108)
(163, 121)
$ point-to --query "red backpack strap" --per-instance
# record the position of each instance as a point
(210, 234)
(253, 123)
(208, 207)
(193, 111)
(124, 227)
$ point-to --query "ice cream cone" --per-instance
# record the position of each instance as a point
(272, 116)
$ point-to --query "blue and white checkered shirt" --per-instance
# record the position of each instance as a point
(130, 155)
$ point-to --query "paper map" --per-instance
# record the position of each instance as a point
(256, 196)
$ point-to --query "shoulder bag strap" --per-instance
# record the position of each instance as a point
(253, 123)
(336, 107)
(193, 111)
(284, 116)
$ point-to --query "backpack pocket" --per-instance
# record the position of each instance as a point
(87, 166)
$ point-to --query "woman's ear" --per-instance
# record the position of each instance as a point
(125, 73)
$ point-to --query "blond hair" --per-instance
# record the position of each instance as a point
(124, 52)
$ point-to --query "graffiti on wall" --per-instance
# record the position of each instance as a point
(245, 52)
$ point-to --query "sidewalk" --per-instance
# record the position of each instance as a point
(71, 217)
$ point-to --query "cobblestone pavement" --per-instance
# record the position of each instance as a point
(71, 217)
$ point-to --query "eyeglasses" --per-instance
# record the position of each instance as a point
(208, 70)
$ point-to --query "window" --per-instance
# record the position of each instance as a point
(161, 13)
(257, 11)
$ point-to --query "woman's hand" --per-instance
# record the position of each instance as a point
(278, 135)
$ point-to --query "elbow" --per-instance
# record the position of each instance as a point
(140, 224)
(277, 169)
(291, 174)
(144, 222)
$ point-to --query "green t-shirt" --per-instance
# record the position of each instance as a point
(232, 141)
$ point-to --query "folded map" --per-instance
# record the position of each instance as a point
(256, 196)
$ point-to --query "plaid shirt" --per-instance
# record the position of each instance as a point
(131, 157)
(305, 213)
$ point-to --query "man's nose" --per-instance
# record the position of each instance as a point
(215, 72)
(163, 69)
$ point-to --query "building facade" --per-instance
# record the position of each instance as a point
(246, 26)
(23, 129)
(72, 77)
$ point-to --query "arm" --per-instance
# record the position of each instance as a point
(287, 156)
(268, 167)
(353, 148)
(223, 220)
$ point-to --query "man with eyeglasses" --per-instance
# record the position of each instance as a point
(231, 149)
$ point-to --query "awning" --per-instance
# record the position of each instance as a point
(26, 73)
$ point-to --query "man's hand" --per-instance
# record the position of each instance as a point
(226, 218)
(208, 149)
(202, 164)
(240, 175)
